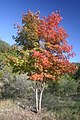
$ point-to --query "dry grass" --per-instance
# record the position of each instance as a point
(10, 111)
(7, 104)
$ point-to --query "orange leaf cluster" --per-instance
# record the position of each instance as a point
(45, 40)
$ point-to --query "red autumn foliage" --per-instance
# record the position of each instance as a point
(52, 60)
(46, 40)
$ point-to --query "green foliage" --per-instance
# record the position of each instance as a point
(77, 75)
(67, 113)
(4, 50)
(4, 47)
(6, 77)
(1, 74)
(63, 99)
(27, 33)
(15, 86)
(66, 85)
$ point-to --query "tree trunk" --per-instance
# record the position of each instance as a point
(39, 92)
(37, 101)
(40, 99)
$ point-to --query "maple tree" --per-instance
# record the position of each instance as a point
(44, 53)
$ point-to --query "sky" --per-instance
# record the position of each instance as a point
(11, 12)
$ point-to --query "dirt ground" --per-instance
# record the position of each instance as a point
(11, 111)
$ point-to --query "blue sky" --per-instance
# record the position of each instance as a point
(11, 12)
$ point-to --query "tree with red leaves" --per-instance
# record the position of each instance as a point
(44, 52)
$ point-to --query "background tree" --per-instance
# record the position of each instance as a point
(77, 78)
(44, 53)
(4, 47)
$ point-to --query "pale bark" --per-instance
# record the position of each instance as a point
(39, 93)
(40, 99)
(37, 106)
(36, 99)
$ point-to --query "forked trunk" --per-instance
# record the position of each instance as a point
(40, 99)
(39, 92)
